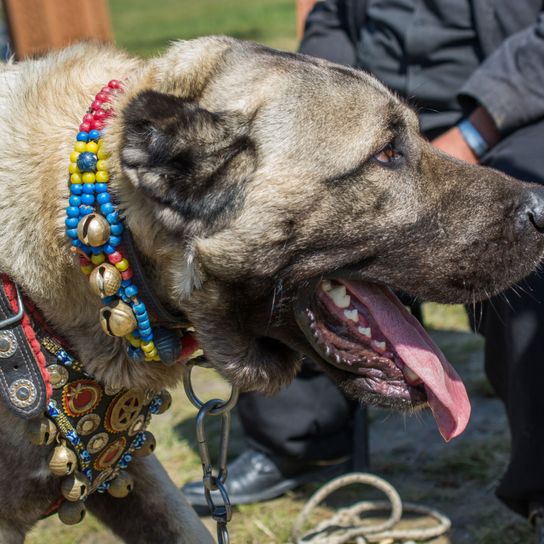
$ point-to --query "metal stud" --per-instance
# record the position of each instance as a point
(71, 513)
(42, 431)
(166, 398)
(121, 486)
(105, 280)
(148, 447)
(118, 319)
(75, 487)
(62, 461)
(93, 230)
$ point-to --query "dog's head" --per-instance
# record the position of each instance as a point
(280, 198)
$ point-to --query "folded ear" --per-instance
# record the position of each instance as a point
(186, 159)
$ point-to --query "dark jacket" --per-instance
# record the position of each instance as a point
(510, 81)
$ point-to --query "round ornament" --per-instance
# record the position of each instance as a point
(111, 454)
(42, 431)
(121, 486)
(75, 487)
(81, 397)
(124, 410)
(93, 230)
(58, 376)
(98, 442)
(71, 513)
(105, 280)
(62, 461)
(88, 424)
(118, 319)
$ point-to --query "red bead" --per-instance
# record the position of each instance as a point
(114, 84)
(105, 90)
(103, 97)
(88, 117)
(85, 127)
(115, 257)
(83, 261)
(97, 124)
(127, 274)
(96, 104)
(99, 114)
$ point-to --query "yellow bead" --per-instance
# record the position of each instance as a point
(102, 176)
(102, 165)
(134, 342)
(80, 147)
(147, 347)
(73, 168)
(76, 178)
(91, 147)
(73, 156)
(156, 358)
(98, 259)
(151, 354)
(122, 265)
(102, 153)
(88, 177)
(87, 269)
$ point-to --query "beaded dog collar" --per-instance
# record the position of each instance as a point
(96, 228)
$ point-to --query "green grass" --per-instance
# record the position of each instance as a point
(145, 27)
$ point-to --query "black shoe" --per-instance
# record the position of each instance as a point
(256, 477)
(536, 517)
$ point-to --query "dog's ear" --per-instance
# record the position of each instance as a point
(188, 161)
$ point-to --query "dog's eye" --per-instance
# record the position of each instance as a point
(387, 154)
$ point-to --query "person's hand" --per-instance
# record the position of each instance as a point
(453, 143)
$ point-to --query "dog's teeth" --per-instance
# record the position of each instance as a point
(339, 296)
(327, 351)
(326, 285)
(378, 346)
(411, 377)
(337, 358)
(352, 314)
(365, 331)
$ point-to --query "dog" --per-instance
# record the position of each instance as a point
(274, 200)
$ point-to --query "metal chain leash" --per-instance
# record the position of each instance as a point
(213, 478)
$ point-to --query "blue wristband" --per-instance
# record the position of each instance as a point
(473, 138)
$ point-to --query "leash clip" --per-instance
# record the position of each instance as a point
(19, 315)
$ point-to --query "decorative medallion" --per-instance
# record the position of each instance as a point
(123, 410)
(81, 397)
(111, 454)
(97, 442)
(137, 426)
(88, 424)
(58, 376)
(8, 344)
(22, 393)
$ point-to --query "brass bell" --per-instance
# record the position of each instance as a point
(42, 431)
(62, 461)
(121, 486)
(93, 230)
(105, 280)
(75, 487)
(71, 513)
(166, 398)
(118, 319)
(148, 447)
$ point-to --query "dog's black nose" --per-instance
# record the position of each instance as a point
(535, 209)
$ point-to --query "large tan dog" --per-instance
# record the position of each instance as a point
(271, 197)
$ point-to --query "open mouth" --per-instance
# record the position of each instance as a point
(362, 328)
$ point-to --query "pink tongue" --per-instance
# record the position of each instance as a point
(445, 391)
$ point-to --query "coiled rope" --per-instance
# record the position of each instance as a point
(347, 525)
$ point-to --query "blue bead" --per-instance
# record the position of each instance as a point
(96, 250)
(82, 137)
(136, 334)
(108, 250)
(107, 208)
(102, 198)
(141, 318)
(139, 309)
(131, 291)
(76, 243)
(117, 229)
(71, 222)
(144, 333)
(87, 199)
(114, 241)
(112, 217)
(145, 324)
(126, 283)
(72, 211)
(72, 233)
(147, 337)
(94, 134)
(76, 189)
(101, 187)
(88, 188)
(75, 201)
(86, 161)
(85, 210)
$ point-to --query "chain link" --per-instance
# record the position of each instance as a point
(213, 478)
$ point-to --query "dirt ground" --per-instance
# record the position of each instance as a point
(457, 478)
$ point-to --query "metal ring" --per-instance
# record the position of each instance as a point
(224, 406)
